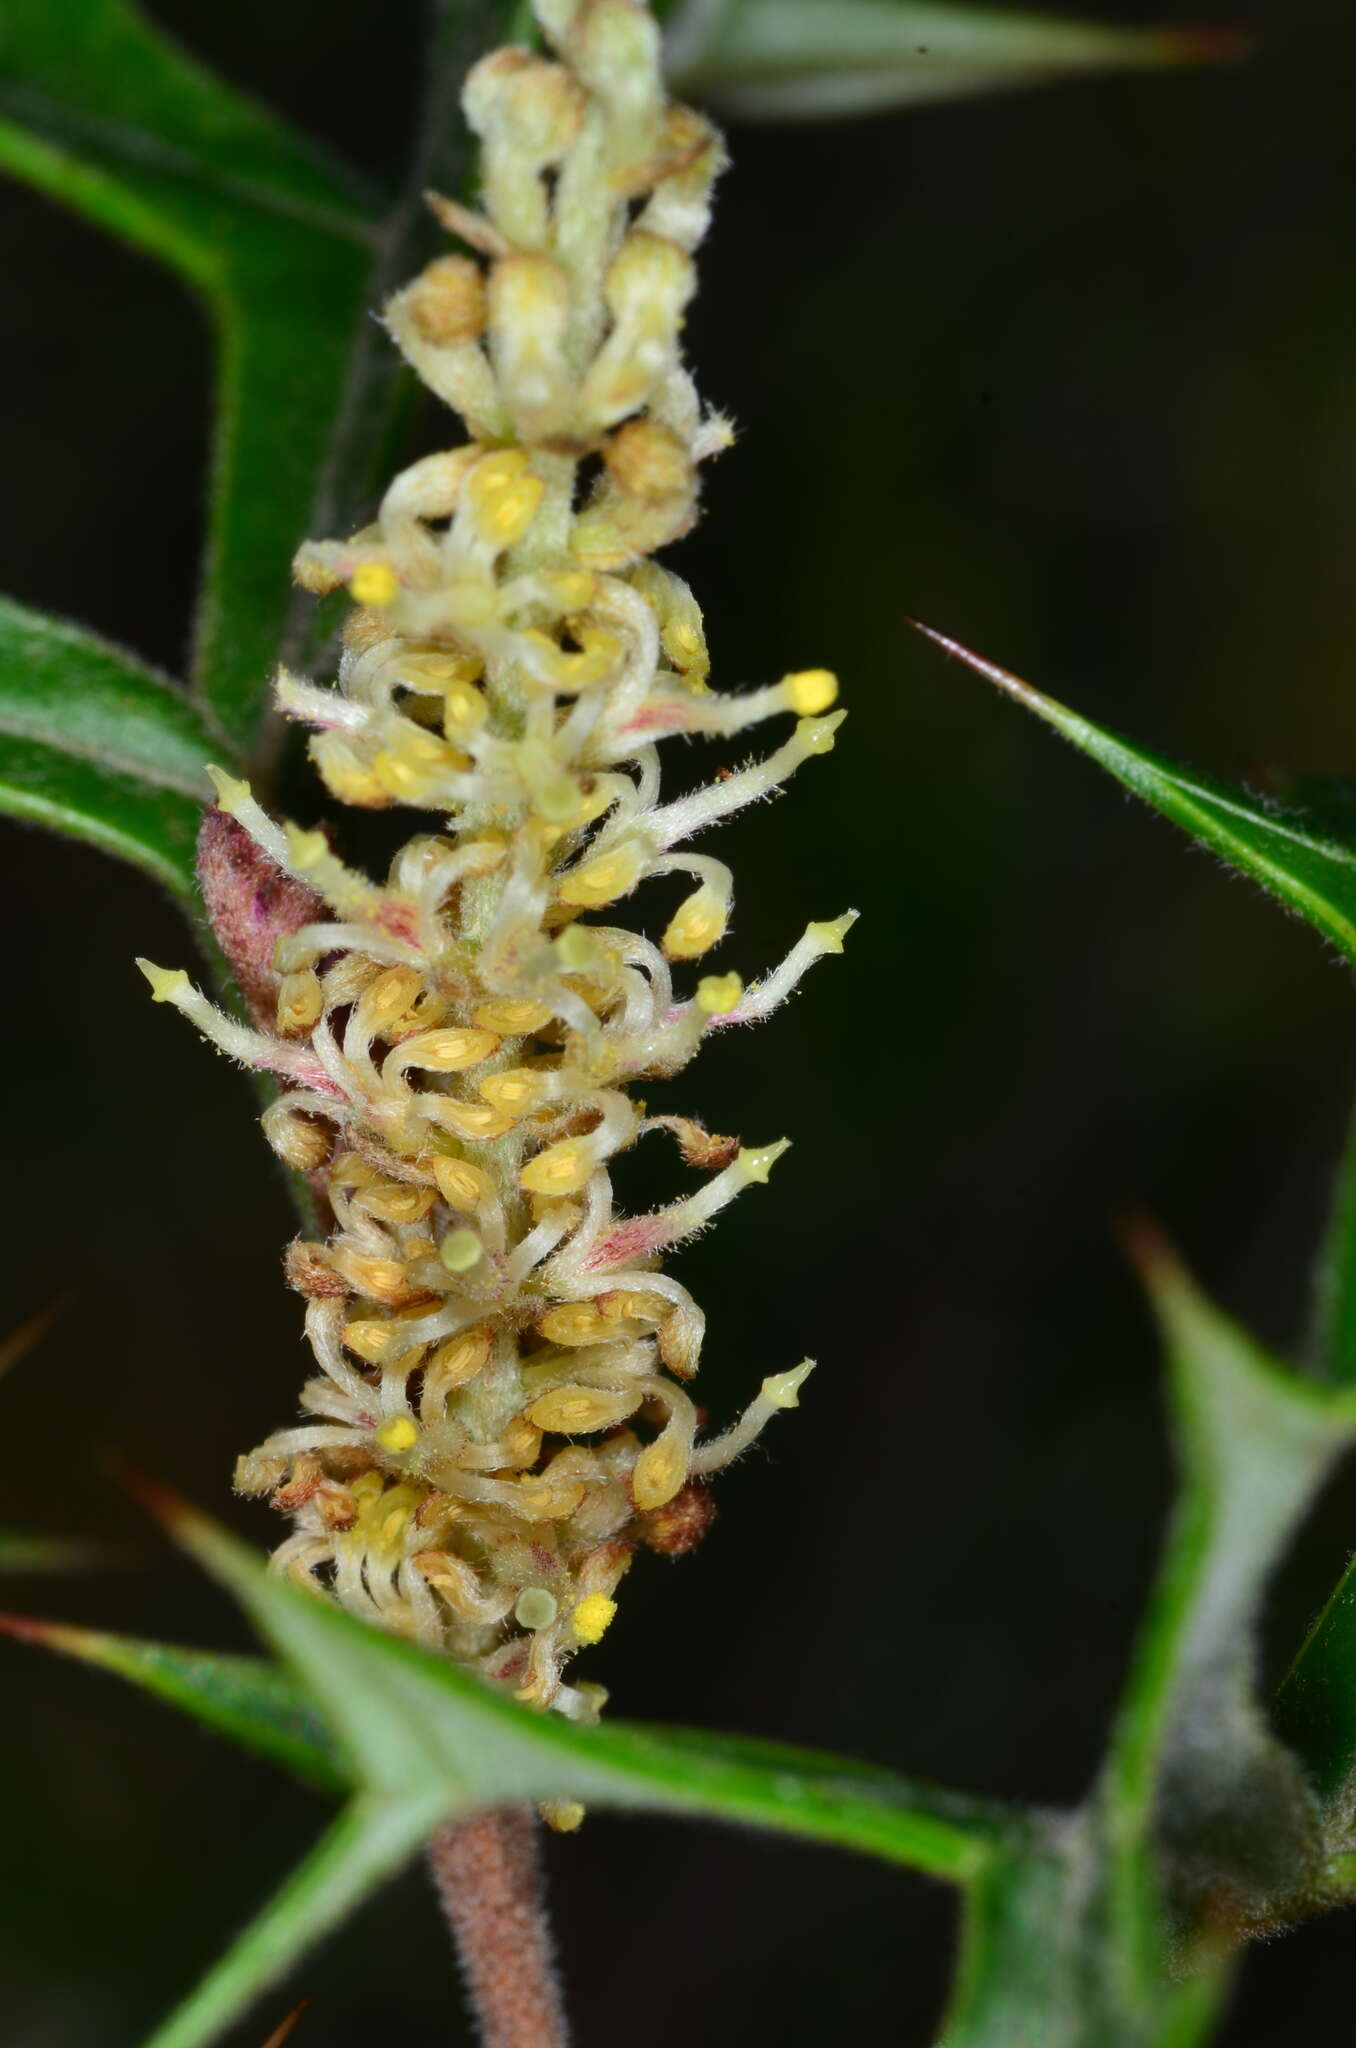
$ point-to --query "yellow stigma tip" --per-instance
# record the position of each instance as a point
(593, 1617)
(829, 937)
(718, 994)
(757, 1161)
(374, 583)
(167, 983)
(816, 735)
(811, 690)
(397, 1433)
(783, 1388)
(231, 791)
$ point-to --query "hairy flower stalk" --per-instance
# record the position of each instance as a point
(500, 1414)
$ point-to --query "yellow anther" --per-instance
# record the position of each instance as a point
(718, 994)
(696, 925)
(300, 1000)
(535, 1608)
(634, 1305)
(388, 997)
(462, 1185)
(510, 515)
(379, 1279)
(460, 1250)
(519, 1089)
(574, 1411)
(475, 1121)
(574, 1322)
(448, 1050)
(231, 791)
(562, 1169)
(168, 984)
(811, 690)
(599, 652)
(512, 1015)
(369, 1338)
(397, 1433)
(459, 1359)
(757, 1161)
(374, 583)
(415, 761)
(604, 878)
(465, 708)
(346, 775)
(830, 936)
(593, 1617)
(659, 1471)
(783, 1388)
(398, 1202)
(503, 495)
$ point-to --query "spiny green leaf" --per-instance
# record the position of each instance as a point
(247, 1699)
(94, 743)
(1195, 1777)
(101, 111)
(408, 1720)
(424, 1742)
(808, 59)
(1287, 850)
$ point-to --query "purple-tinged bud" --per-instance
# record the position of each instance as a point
(250, 904)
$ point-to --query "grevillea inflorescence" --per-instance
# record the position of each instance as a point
(500, 1415)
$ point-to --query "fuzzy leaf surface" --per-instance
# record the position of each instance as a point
(94, 743)
(825, 59)
(1040, 1958)
(107, 115)
(1197, 1780)
(1293, 851)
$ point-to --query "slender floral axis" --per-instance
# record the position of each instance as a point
(500, 1416)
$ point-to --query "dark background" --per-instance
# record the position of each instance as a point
(1070, 375)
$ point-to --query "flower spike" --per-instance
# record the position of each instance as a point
(496, 1421)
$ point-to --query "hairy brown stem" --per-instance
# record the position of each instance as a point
(489, 1879)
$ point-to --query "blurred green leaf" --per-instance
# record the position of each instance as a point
(94, 743)
(247, 1699)
(107, 115)
(1292, 852)
(44, 1554)
(821, 59)
(424, 1742)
